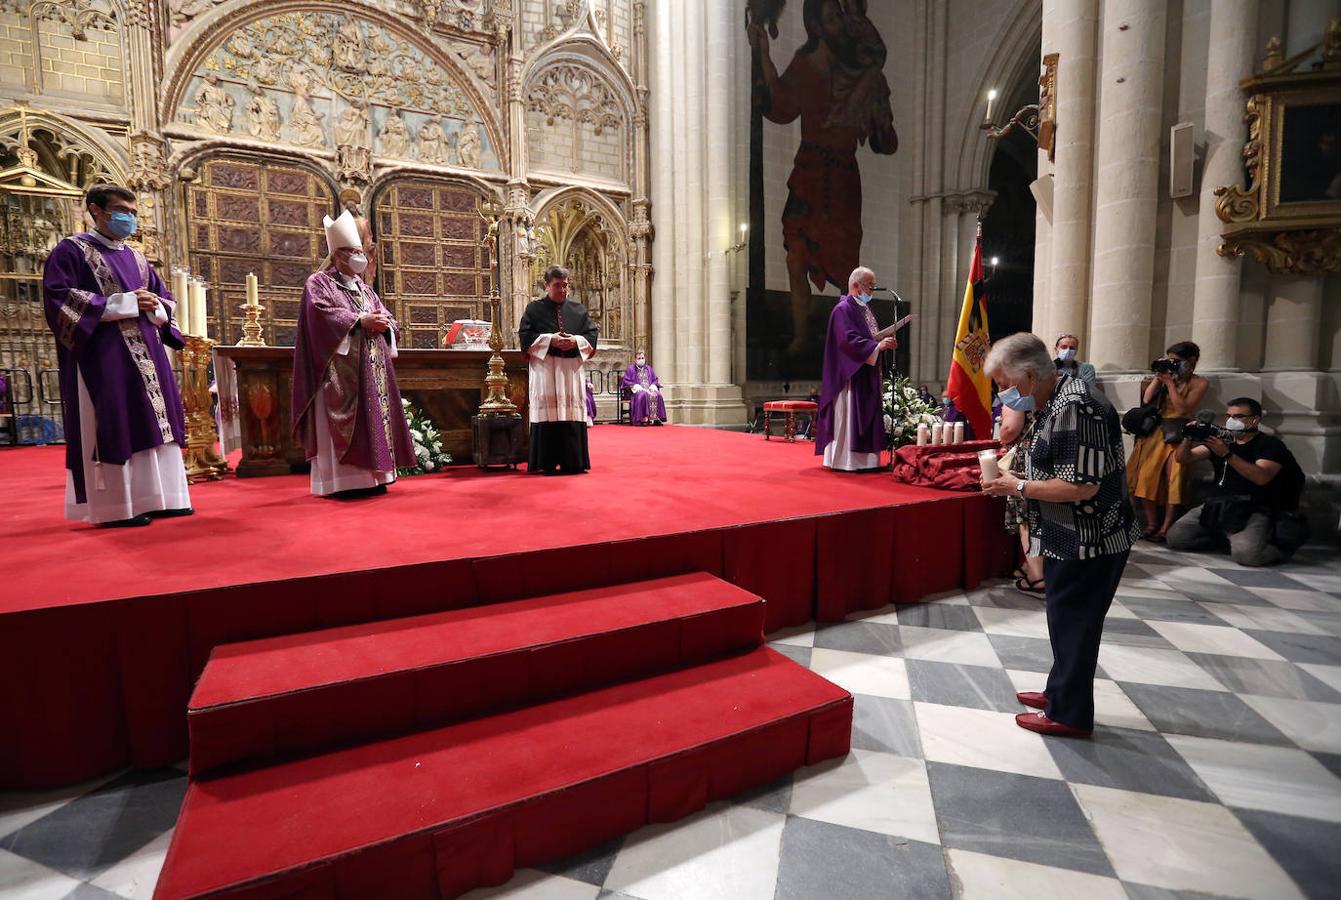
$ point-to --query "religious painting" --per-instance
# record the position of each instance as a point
(835, 86)
(1288, 216)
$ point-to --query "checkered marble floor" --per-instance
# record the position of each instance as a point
(1215, 768)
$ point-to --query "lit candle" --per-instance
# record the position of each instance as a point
(987, 462)
(937, 431)
(253, 293)
(991, 98)
(959, 432)
(923, 434)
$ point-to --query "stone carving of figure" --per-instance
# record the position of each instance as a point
(433, 142)
(468, 145)
(394, 137)
(349, 47)
(185, 10)
(351, 128)
(304, 122)
(214, 107)
(262, 115)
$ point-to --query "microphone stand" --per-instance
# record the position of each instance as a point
(888, 359)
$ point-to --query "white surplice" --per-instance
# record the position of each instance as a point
(836, 452)
(558, 389)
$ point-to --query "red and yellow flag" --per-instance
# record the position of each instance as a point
(969, 386)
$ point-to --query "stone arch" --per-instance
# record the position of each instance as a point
(1013, 65)
(74, 138)
(577, 80)
(219, 26)
(594, 244)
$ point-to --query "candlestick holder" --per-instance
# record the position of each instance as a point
(252, 334)
(497, 403)
(203, 462)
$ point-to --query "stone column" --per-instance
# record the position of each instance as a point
(932, 299)
(1052, 12)
(665, 323)
(1294, 317)
(1216, 303)
(1127, 173)
(1069, 287)
(720, 223)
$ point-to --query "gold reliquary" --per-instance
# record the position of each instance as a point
(1289, 215)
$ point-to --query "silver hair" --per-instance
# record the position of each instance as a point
(1017, 355)
(1063, 335)
(858, 274)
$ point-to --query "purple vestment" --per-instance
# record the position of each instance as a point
(640, 403)
(364, 412)
(848, 343)
(591, 402)
(124, 365)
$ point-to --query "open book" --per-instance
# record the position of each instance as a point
(886, 332)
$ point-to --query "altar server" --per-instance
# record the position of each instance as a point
(647, 405)
(112, 316)
(557, 335)
(851, 430)
(346, 405)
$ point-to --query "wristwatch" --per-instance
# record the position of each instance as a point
(1019, 487)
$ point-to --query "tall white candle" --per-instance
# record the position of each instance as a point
(199, 322)
(959, 432)
(938, 433)
(253, 289)
(923, 434)
(181, 295)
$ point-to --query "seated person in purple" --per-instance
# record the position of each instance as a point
(112, 317)
(647, 406)
(591, 404)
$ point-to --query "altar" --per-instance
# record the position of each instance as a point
(255, 385)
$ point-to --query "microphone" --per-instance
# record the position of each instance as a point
(889, 291)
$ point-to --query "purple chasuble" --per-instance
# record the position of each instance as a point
(641, 404)
(364, 412)
(849, 342)
(124, 364)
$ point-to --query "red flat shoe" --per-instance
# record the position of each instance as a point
(1043, 725)
(1033, 698)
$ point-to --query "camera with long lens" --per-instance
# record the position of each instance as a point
(1204, 428)
(1168, 364)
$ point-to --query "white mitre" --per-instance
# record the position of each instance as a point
(342, 232)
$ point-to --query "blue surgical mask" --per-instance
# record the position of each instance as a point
(122, 225)
(1066, 354)
(863, 298)
(1012, 398)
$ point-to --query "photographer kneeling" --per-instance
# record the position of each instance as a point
(1257, 484)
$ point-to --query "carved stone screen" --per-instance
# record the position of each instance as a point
(432, 269)
(253, 215)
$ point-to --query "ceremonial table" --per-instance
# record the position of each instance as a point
(255, 385)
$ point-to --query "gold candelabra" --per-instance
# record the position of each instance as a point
(203, 462)
(498, 403)
(252, 334)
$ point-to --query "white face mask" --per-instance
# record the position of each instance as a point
(357, 263)
(1235, 425)
(641, 361)
(1066, 354)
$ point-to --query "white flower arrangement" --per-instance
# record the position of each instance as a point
(428, 452)
(904, 411)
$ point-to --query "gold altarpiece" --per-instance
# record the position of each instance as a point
(239, 124)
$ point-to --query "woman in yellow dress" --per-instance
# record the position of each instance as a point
(1152, 473)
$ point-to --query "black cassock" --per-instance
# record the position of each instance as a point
(557, 387)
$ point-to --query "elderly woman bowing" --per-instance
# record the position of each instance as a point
(1079, 515)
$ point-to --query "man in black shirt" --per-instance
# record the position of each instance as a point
(1256, 480)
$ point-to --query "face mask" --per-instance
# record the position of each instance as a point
(357, 263)
(1012, 398)
(1235, 425)
(122, 224)
(1066, 355)
(945, 401)
(863, 298)
(641, 361)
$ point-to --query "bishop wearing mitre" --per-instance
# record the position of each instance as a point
(346, 405)
(557, 336)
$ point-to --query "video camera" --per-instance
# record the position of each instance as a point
(1204, 428)
(1168, 364)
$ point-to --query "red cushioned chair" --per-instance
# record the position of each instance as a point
(790, 408)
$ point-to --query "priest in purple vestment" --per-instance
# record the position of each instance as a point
(647, 406)
(112, 317)
(346, 405)
(851, 429)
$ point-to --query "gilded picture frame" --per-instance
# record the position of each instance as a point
(1288, 216)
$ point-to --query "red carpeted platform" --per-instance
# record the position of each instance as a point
(298, 694)
(440, 812)
(103, 633)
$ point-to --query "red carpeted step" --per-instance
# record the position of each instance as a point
(314, 691)
(440, 812)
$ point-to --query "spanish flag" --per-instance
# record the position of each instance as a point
(969, 386)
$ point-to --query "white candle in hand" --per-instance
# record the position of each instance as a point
(987, 462)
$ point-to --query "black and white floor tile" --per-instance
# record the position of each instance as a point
(1215, 768)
